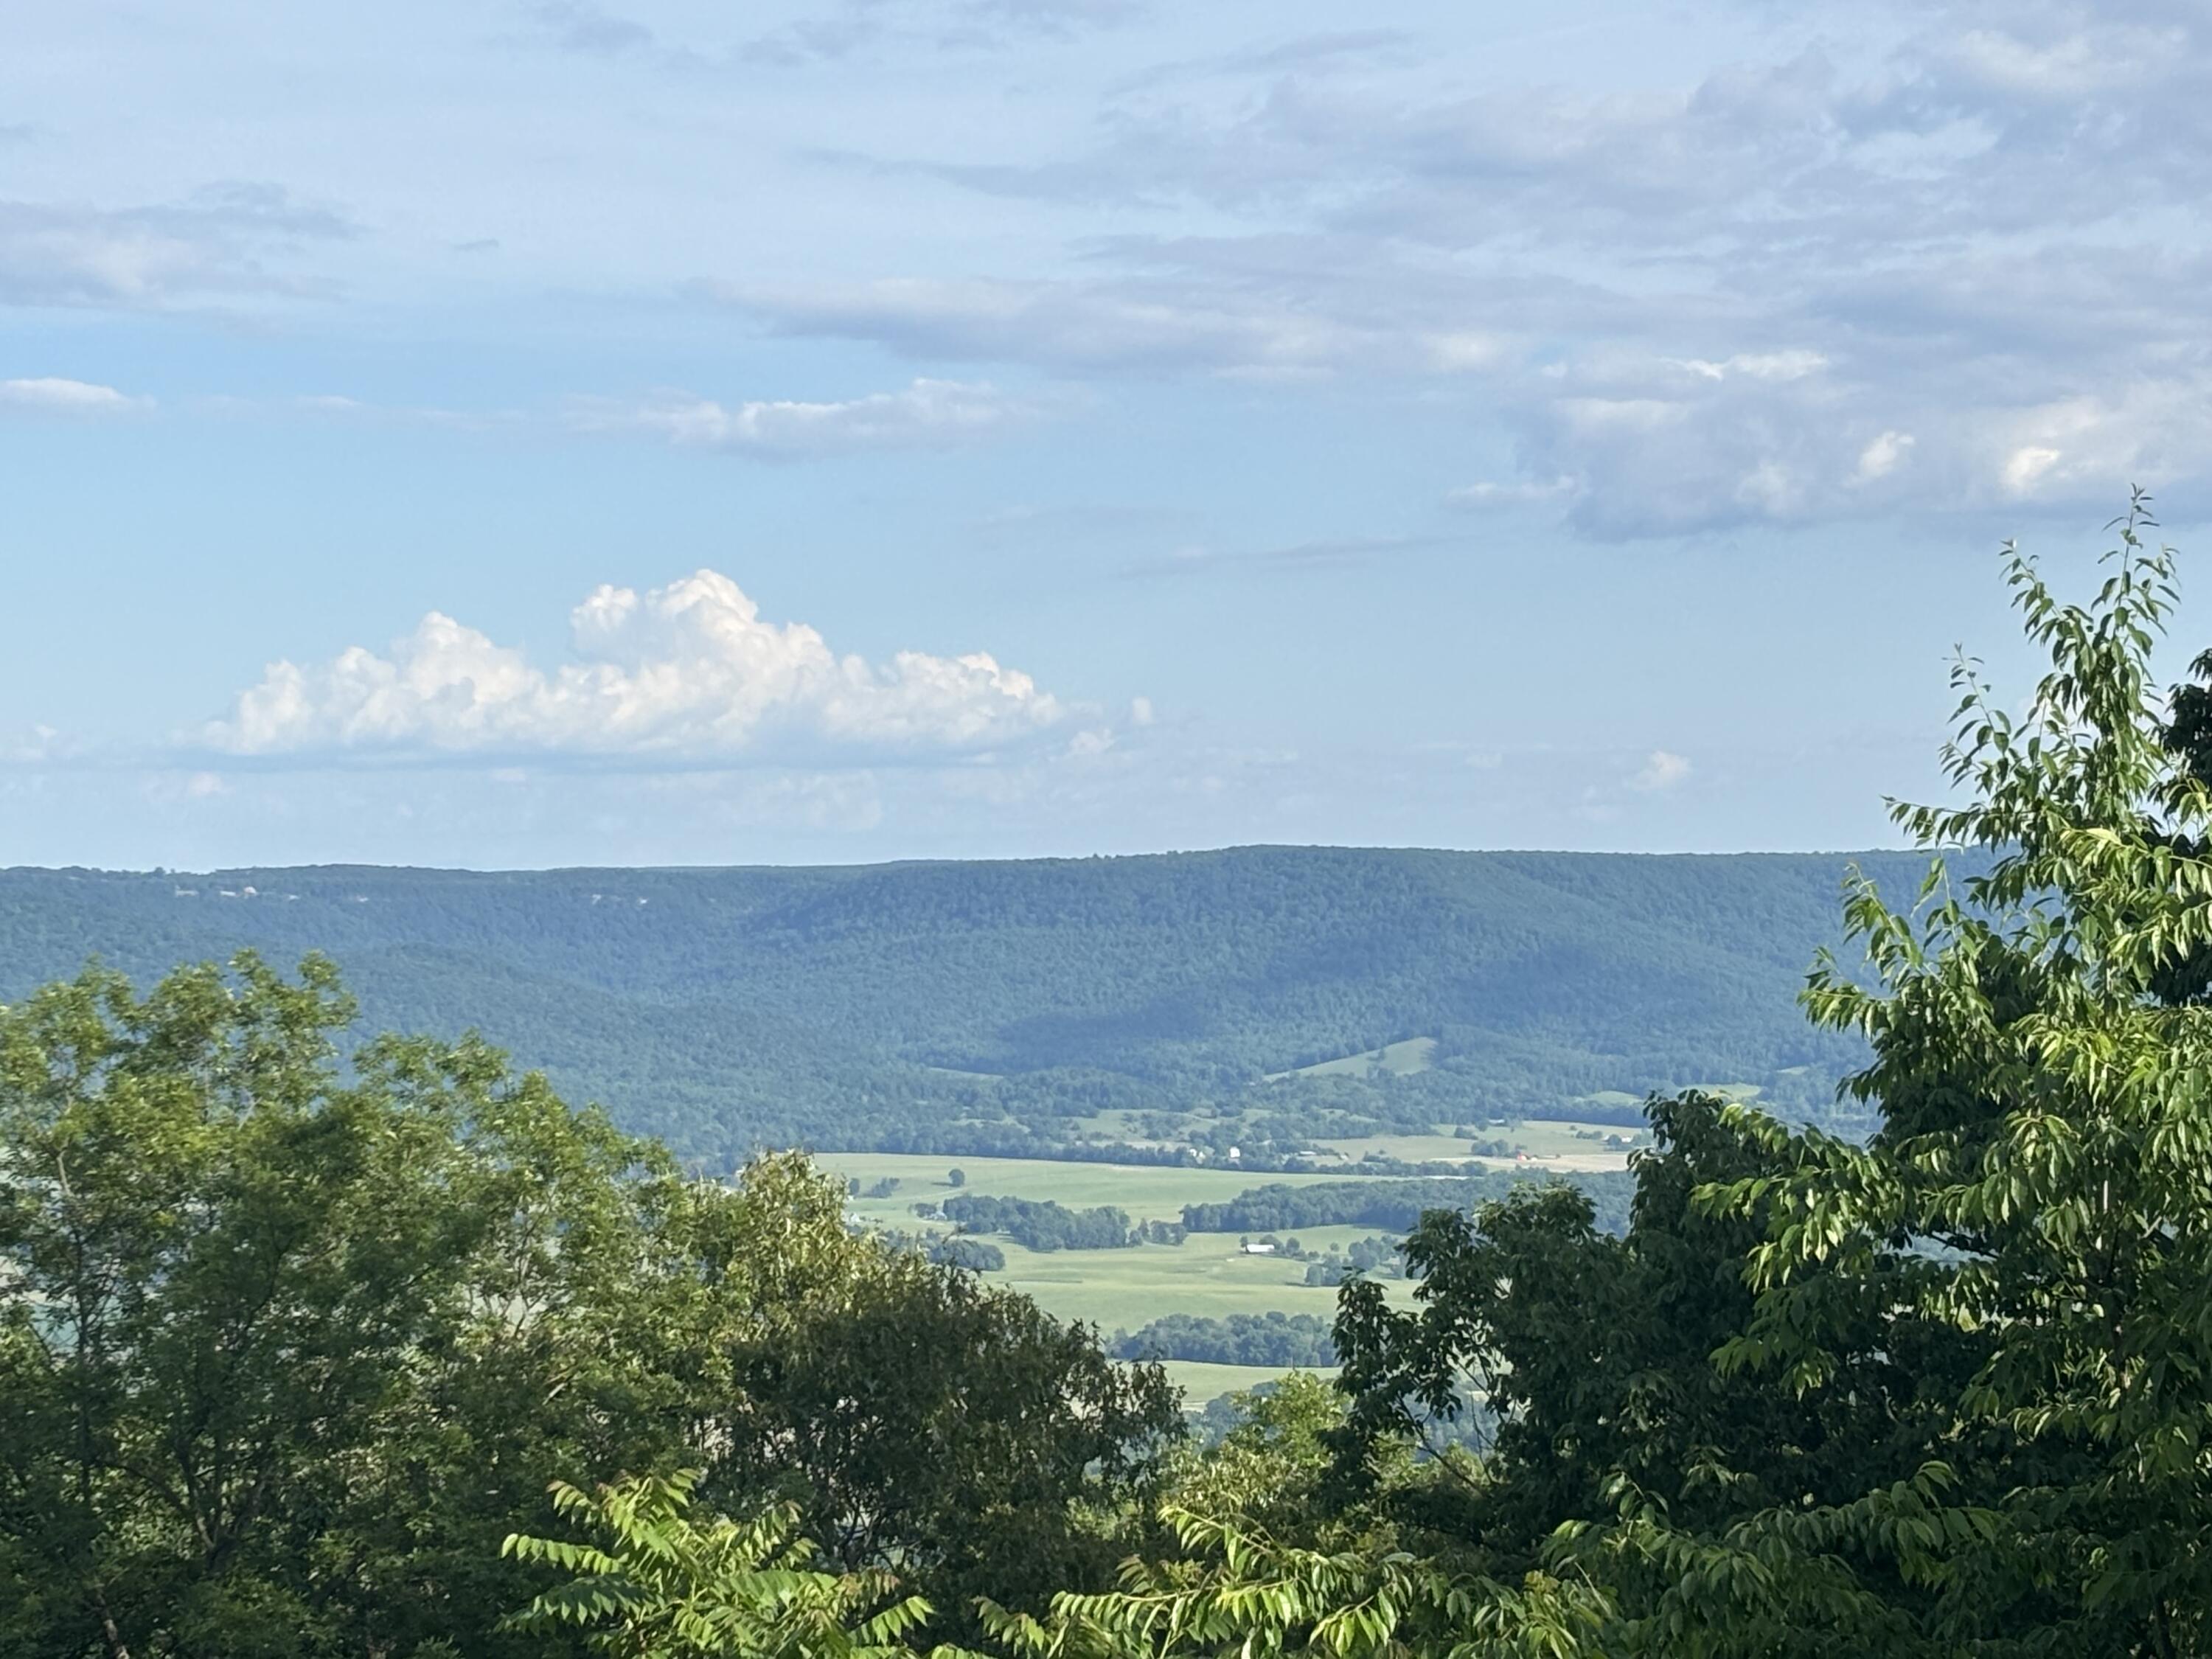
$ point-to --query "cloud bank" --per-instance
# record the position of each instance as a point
(1957, 259)
(687, 673)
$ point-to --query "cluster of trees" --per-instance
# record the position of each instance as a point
(1378, 1202)
(408, 1359)
(1041, 1224)
(1285, 1341)
(977, 1256)
(288, 1346)
(1375, 1254)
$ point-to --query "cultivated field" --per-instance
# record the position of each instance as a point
(1148, 1194)
(1207, 1275)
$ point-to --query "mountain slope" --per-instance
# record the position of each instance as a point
(928, 1005)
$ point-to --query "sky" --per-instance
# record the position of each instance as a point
(544, 433)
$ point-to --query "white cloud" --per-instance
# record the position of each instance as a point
(688, 673)
(1491, 492)
(1758, 365)
(52, 395)
(1661, 770)
(31, 746)
(2027, 463)
(928, 414)
(1795, 271)
(1880, 456)
(1149, 327)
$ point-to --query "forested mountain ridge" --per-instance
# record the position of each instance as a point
(948, 1005)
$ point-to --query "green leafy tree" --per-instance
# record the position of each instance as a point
(1275, 1469)
(919, 1418)
(2041, 1183)
(1590, 1360)
(659, 1584)
(1234, 1591)
(1944, 1392)
(275, 1342)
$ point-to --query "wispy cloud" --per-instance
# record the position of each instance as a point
(1198, 558)
(845, 27)
(53, 395)
(227, 240)
(32, 746)
(929, 413)
(577, 25)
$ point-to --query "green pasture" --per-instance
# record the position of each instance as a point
(1207, 1275)
(1398, 1058)
(1200, 1382)
(1148, 1192)
(1122, 1290)
(1540, 1138)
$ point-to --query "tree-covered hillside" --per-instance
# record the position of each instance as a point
(974, 1005)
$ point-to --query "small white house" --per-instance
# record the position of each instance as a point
(1257, 1249)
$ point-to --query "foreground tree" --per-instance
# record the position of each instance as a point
(2042, 1181)
(287, 1347)
(274, 1346)
(660, 1584)
(1948, 1392)
(916, 1418)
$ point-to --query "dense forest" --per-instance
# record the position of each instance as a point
(985, 1007)
(321, 1347)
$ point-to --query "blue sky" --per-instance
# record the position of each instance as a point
(523, 433)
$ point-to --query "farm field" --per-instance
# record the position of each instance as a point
(1147, 1193)
(1200, 1382)
(1402, 1059)
(1206, 1275)
(1558, 1145)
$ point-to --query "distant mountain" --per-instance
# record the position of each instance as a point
(980, 1005)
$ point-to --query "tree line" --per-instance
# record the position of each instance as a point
(1284, 1341)
(1393, 1203)
(1041, 1224)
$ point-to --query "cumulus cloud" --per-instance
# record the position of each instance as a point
(53, 395)
(224, 239)
(683, 674)
(928, 414)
